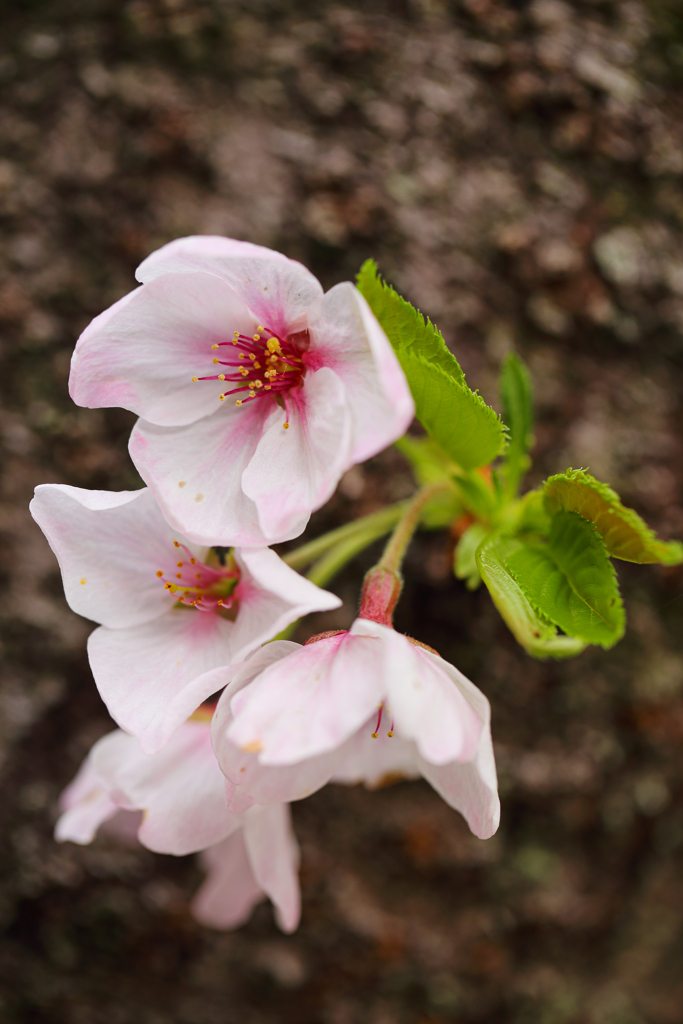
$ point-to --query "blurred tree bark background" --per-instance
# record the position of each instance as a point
(516, 168)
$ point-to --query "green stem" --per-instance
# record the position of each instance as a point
(362, 532)
(394, 552)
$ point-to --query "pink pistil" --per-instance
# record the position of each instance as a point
(267, 365)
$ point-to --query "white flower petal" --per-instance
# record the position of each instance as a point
(295, 471)
(425, 696)
(152, 677)
(310, 702)
(277, 290)
(229, 892)
(346, 337)
(181, 788)
(274, 857)
(195, 473)
(143, 353)
(85, 804)
(109, 547)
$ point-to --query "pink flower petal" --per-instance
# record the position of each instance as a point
(425, 696)
(180, 788)
(310, 702)
(295, 471)
(230, 892)
(143, 353)
(109, 547)
(274, 857)
(195, 473)
(85, 804)
(153, 676)
(277, 290)
(346, 337)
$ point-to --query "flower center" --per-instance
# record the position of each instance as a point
(261, 364)
(197, 585)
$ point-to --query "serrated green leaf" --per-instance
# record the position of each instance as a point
(404, 325)
(624, 533)
(571, 581)
(518, 414)
(458, 419)
(532, 630)
(465, 561)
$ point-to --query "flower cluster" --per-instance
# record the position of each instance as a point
(256, 392)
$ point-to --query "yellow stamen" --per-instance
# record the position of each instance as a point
(285, 426)
(214, 347)
(160, 573)
(179, 564)
(195, 379)
(238, 402)
(215, 360)
(221, 376)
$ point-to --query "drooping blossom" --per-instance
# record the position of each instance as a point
(171, 612)
(256, 391)
(182, 793)
(359, 705)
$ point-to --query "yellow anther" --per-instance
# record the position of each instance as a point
(257, 366)
(219, 601)
(256, 337)
(221, 376)
(238, 402)
(167, 586)
(241, 356)
(252, 356)
(215, 360)
(252, 394)
(273, 344)
(198, 576)
(221, 397)
(374, 735)
(267, 387)
(258, 384)
(193, 602)
(176, 544)
(390, 734)
(244, 371)
(285, 426)
(193, 561)
(195, 379)
(178, 575)
(179, 564)
(159, 573)
(235, 334)
(214, 347)
(260, 328)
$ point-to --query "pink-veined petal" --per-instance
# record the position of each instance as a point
(195, 473)
(295, 471)
(271, 596)
(229, 892)
(152, 677)
(109, 547)
(377, 761)
(310, 702)
(346, 337)
(181, 788)
(274, 857)
(277, 290)
(425, 696)
(143, 354)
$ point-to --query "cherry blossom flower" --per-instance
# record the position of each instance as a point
(256, 391)
(354, 706)
(182, 794)
(171, 612)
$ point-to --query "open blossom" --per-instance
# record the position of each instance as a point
(256, 391)
(182, 794)
(171, 612)
(356, 706)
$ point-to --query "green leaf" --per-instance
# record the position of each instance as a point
(430, 464)
(518, 413)
(624, 533)
(458, 419)
(465, 562)
(571, 581)
(530, 628)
